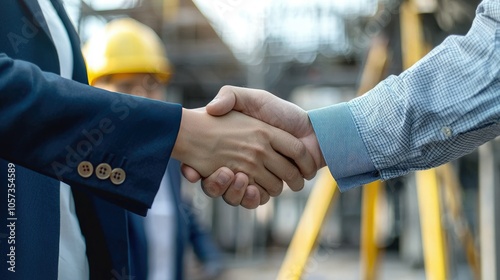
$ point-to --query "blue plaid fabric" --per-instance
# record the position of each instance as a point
(443, 107)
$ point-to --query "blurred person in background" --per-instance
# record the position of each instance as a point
(129, 57)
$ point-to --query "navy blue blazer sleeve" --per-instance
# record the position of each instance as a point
(50, 124)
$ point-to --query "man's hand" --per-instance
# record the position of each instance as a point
(273, 110)
(232, 187)
(267, 107)
(244, 145)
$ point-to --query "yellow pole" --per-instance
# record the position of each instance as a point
(304, 239)
(369, 248)
(325, 189)
(373, 72)
(453, 197)
(376, 62)
(170, 9)
(414, 48)
(430, 220)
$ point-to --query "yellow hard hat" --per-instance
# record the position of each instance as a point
(126, 46)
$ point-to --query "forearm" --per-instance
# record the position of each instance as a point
(438, 110)
(441, 108)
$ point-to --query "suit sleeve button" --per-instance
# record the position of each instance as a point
(118, 176)
(103, 171)
(85, 169)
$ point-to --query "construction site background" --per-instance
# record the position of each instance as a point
(313, 53)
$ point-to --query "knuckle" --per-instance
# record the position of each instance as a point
(250, 205)
(309, 174)
(248, 164)
(250, 202)
(294, 179)
(264, 199)
(276, 190)
(254, 153)
(231, 201)
(211, 189)
(262, 132)
(297, 149)
(260, 150)
(298, 186)
(292, 174)
(226, 88)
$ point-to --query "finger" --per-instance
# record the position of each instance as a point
(222, 103)
(264, 196)
(189, 173)
(284, 169)
(246, 100)
(252, 198)
(235, 192)
(270, 183)
(217, 183)
(295, 150)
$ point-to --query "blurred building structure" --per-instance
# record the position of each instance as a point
(277, 45)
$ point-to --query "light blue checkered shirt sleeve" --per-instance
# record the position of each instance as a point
(443, 107)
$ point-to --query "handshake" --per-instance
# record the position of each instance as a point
(245, 143)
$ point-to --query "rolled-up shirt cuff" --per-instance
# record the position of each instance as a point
(342, 147)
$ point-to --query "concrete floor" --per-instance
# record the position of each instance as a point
(327, 265)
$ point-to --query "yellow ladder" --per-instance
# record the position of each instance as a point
(304, 238)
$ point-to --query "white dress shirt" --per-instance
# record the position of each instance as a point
(160, 231)
(73, 263)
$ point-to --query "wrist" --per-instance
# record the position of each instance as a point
(194, 140)
(180, 148)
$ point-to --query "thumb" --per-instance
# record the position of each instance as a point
(223, 103)
(190, 174)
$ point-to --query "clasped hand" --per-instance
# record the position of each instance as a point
(244, 144)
